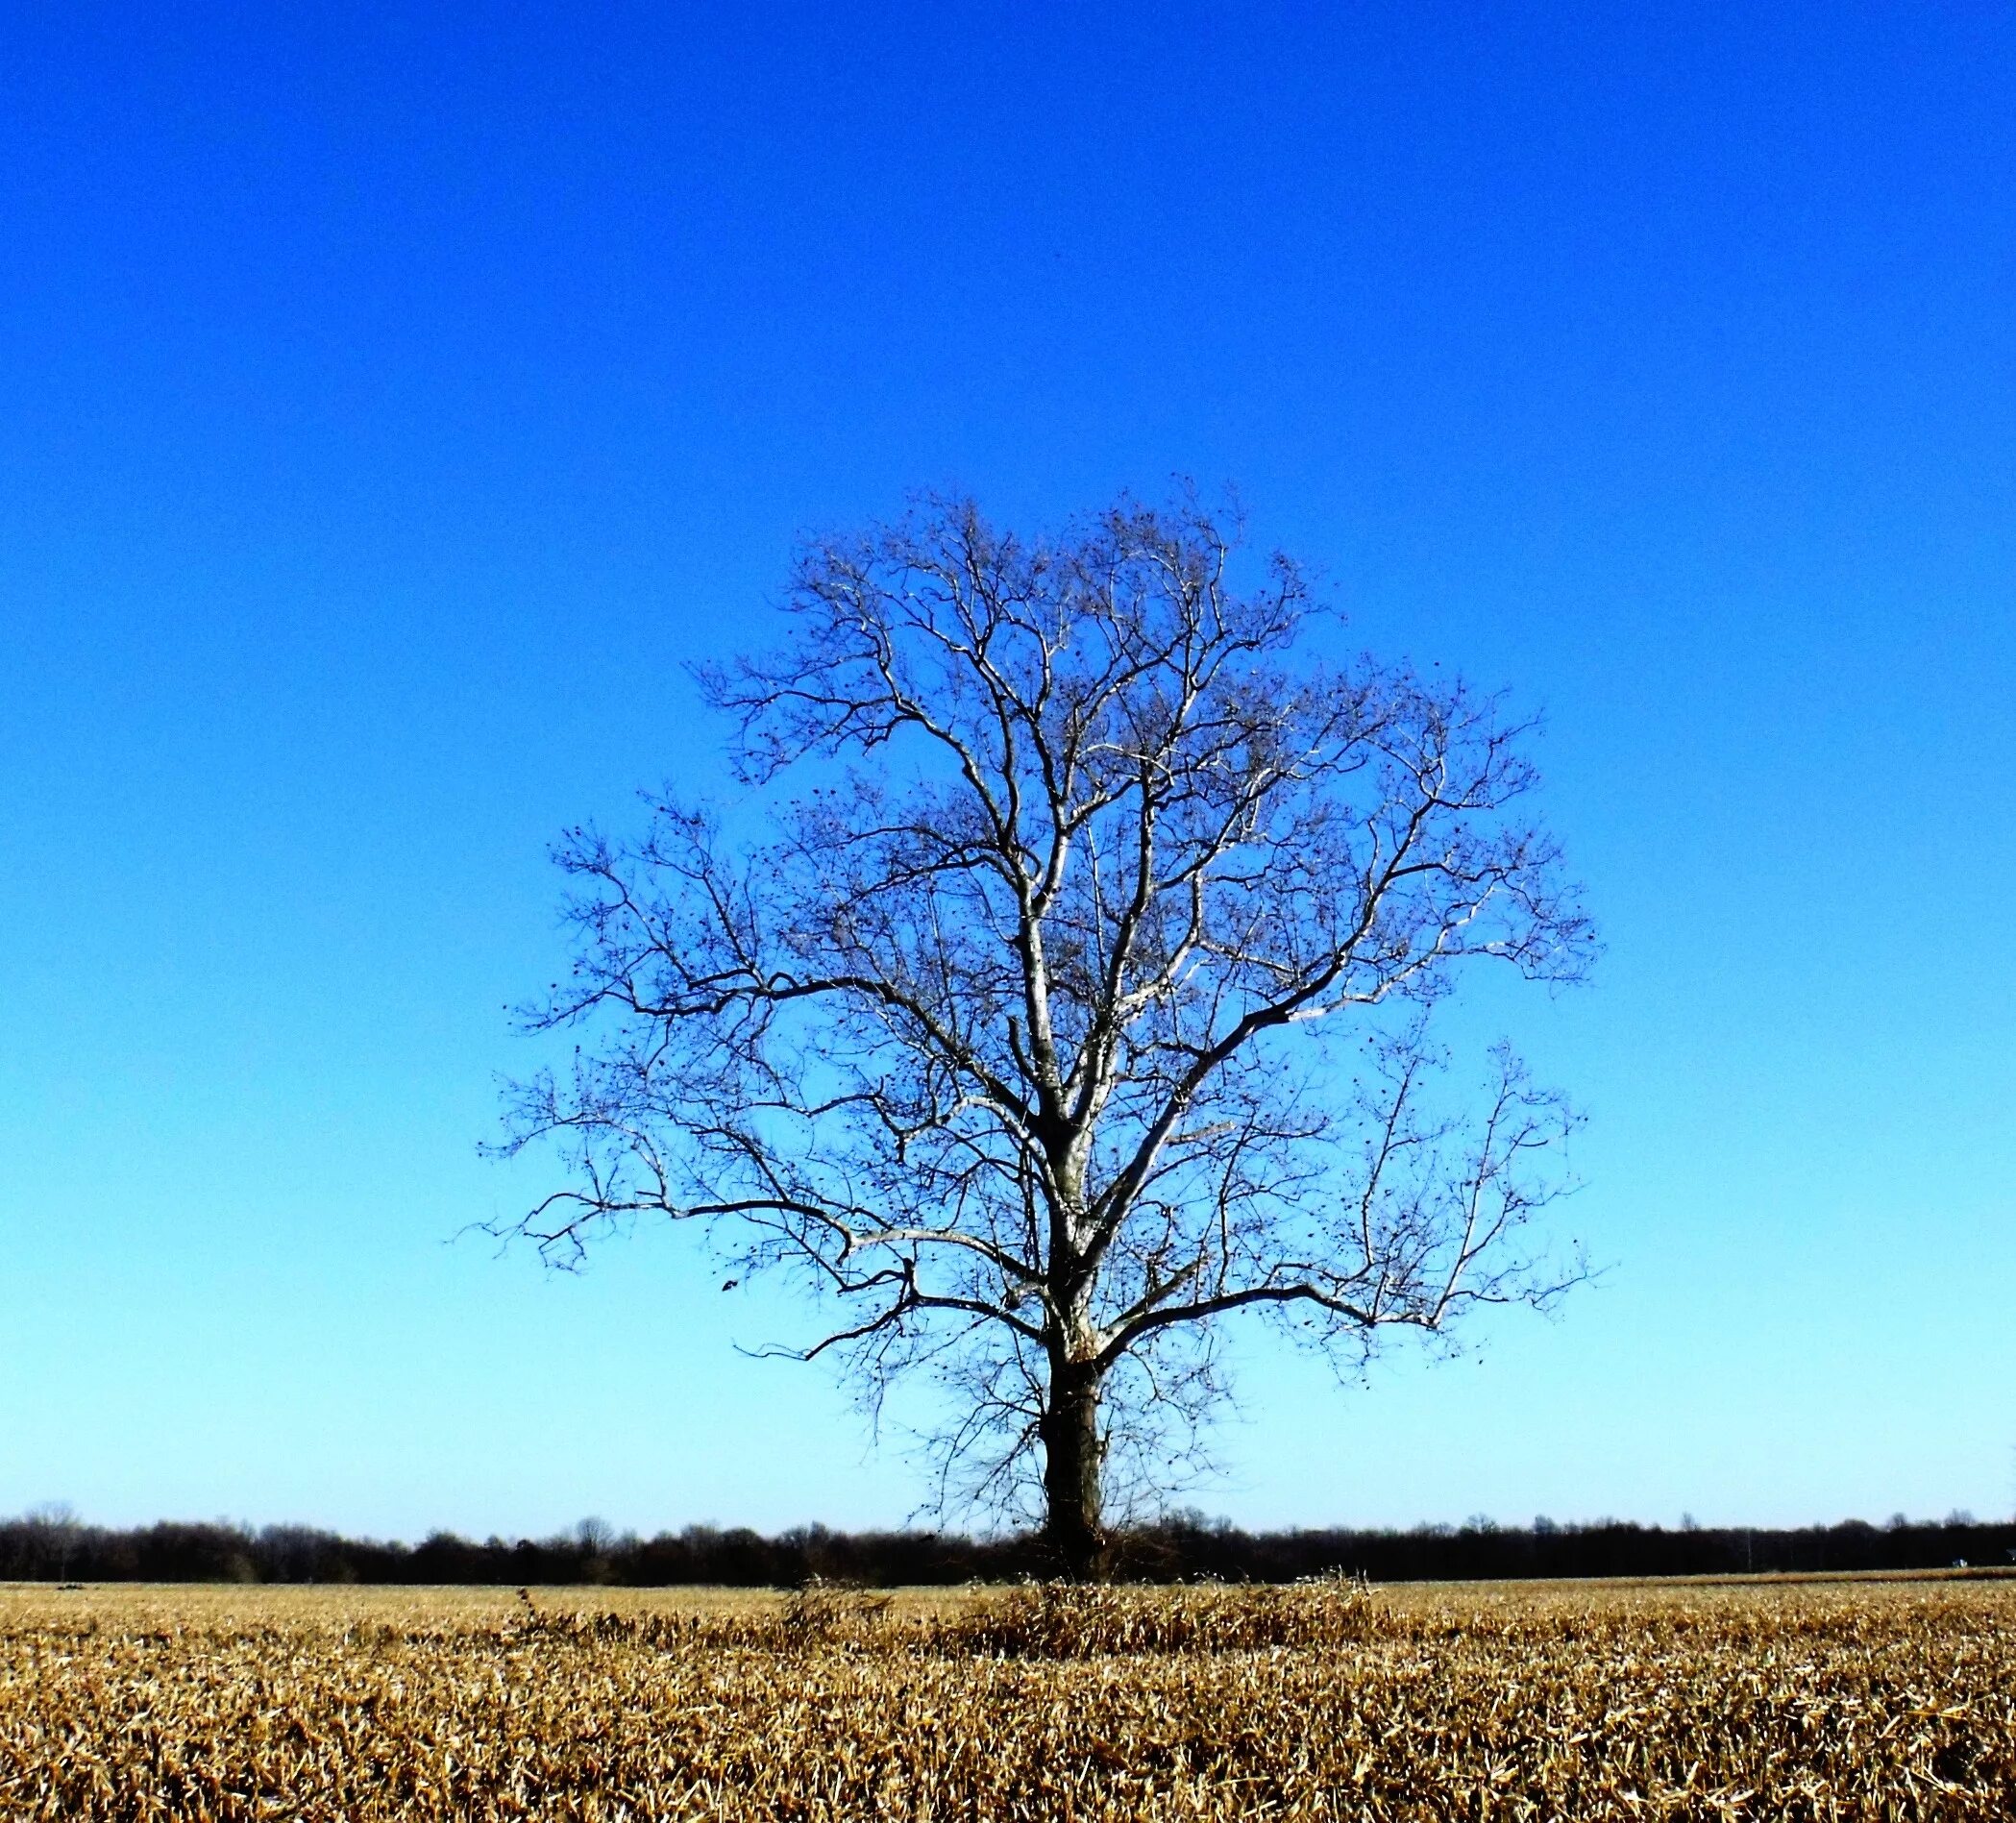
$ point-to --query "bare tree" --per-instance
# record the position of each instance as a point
(1075, 999)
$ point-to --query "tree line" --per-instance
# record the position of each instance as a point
(42, 1548)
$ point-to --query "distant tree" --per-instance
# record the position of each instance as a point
(1075, 999)
(57, 1532)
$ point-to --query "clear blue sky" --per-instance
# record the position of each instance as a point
(391, 402)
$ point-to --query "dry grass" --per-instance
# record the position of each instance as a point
(1868, 1699)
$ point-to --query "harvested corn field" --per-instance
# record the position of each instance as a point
(1890, 1699)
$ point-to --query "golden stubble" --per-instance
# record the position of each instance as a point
(1868, 1698)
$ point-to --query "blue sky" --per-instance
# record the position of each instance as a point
(392, 402)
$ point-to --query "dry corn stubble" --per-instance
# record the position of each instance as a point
(1866, 1699)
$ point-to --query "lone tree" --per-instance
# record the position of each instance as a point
(1076, 997)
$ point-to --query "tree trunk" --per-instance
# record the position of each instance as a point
(1073, 1454)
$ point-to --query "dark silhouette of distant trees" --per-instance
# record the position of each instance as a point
(46, 1549)
(1075, 1002)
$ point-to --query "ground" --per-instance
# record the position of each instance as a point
(1889, 1697)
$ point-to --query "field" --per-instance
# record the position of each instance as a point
(1878, 1698)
